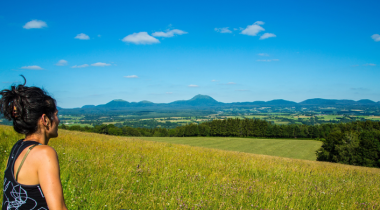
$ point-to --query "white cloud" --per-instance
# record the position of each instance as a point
(254, 29)
(131, 76)
(100, 64)
(80, 66)
(267, 35)
(263, 54)
(376, 37)
(61, 63)
(169, 33)
(214, 80)
(35, 24)
(82, 36)
(231, 83)
(369, 64)
(193, 86)
(223, 30)
(140, 38)
(32, 67)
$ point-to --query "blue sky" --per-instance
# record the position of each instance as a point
(91, 52)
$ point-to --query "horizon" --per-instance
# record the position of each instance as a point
(166, 51)
(208, 96)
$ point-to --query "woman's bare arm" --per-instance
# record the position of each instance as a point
(49, 177)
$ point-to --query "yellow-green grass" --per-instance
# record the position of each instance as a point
(110, 172)
(299, 149)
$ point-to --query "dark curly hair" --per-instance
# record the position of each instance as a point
(25, 105)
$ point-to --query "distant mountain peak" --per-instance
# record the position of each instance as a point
(146, 102)
(202, 97)
(119, 100)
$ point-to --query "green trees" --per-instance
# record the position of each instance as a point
(352, 147)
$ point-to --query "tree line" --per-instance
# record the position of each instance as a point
(354, 143)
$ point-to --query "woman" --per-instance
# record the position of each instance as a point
(31, 179)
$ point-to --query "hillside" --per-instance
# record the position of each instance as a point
(108, 172)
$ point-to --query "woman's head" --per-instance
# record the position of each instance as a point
(25, 106)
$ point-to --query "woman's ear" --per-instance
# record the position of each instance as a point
(45, 120)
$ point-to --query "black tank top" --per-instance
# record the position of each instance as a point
(18, 196)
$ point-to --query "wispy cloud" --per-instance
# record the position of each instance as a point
(32, 67)
(61, 63)
(267, 35)
(82, 36)
(100, 64)
(369, 64)
(193, 86)
(131, 76)
(169, 33)
(263, 54)
(376, 37)
(268, 60)
(35, 24)
(140, 38)
(223, 30)
(214, 80)
(80, 66)
(355, 65)
(254, 29)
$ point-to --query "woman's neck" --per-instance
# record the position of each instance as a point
(38, 137)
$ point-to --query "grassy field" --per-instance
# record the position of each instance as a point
(110, 172)
(299, 149)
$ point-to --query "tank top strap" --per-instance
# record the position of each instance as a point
(22, 162)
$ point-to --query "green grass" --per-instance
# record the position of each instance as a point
(299, 149)
(109, 172)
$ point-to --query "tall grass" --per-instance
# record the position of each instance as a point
(109, 172)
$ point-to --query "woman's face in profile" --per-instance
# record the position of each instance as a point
(53, 132)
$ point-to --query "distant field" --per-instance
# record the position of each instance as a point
(299, 149)
(81, 125)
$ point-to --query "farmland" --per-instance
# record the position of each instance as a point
(172, 122)
(111, 172)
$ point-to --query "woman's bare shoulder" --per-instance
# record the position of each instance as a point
(45, 153)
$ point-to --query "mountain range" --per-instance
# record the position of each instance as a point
(207, 101)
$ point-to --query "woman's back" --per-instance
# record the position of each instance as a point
(17, 195)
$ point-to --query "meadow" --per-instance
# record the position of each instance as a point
(290, 148)
(111, 172)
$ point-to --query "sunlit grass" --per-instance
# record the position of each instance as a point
(299, 149)
(109, 172)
